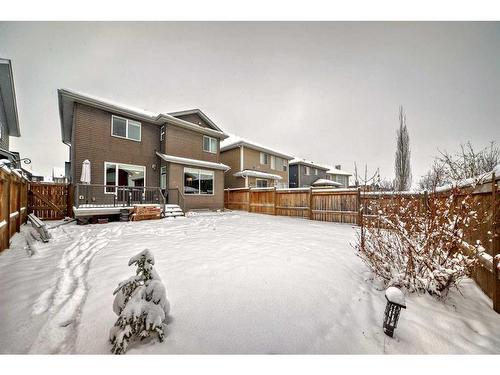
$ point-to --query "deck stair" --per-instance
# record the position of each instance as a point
(173, 210)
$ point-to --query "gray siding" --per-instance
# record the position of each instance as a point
(301, 179)
(4, 140)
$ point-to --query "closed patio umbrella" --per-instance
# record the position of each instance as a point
(85, 179)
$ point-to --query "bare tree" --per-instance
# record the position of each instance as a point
(468, 162)
(402, 166)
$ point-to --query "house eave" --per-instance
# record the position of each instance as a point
(257, 148)
(8, 92)
(193, 162)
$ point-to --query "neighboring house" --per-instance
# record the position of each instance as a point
(178, 153)
(9, 121)
(59, 175)
(253, 165)
(338, 175)
(304, 173)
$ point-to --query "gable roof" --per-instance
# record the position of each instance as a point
(308, 163)
(68, 98)
(234, 141)
(198, 112)
(8, 94)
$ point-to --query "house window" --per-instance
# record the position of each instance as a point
(264, 158)
(198, 181)
(162, 133)
(273, 162)
(125, 128)
(210, 144)
(261, 183)
(315, 171)
(308, 171)
(163, 177)
(116, 174)
(285, 165)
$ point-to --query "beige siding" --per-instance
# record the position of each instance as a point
(188, 144)
(232, 159)
(251, 160)
(213, 202)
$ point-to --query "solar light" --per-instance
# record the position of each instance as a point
(395, 301)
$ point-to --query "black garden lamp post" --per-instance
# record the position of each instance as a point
(395, 301)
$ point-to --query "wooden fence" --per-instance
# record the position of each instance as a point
(314, 204)
(13, 205)
(355, 207)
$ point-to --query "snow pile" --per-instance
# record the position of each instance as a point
(325, 182)
(140, 303)
(396, 296)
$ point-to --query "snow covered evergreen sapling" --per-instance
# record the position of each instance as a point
(140, 303)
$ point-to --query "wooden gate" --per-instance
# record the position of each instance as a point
(49, 201)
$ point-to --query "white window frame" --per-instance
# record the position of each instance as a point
(264, 156)
(261, 179)
(315, 171)
(273, 162)
(117, 164)
(199, 179)
(127, 121)
(210, 139)
(285, 165)
(163, 172)
(162, 133)
(308, 171)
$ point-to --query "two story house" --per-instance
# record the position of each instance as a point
(9, 122)
(304, 173)
(175, 153)
(338, 175)
(253, 165)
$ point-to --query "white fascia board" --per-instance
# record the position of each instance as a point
(193, 162)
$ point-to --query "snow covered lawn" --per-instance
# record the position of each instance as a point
(237, 283)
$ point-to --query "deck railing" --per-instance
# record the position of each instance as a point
(95, 195)
(175, 196)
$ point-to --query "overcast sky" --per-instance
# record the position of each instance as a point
(328, 92)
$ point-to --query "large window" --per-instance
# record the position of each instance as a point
(198, 181)
(125, 128)
(263, 158)
(261, 183)
(210, 144)
(116, 174)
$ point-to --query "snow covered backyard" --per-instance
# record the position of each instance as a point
(236, 282)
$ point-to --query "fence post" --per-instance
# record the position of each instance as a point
(18, 204)
(495, 244)
(274, 201)
(249, 199)
(360, 218)
(310, 203)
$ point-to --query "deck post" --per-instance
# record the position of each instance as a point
(495, 244)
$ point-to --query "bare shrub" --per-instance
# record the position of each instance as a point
(419, 243)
